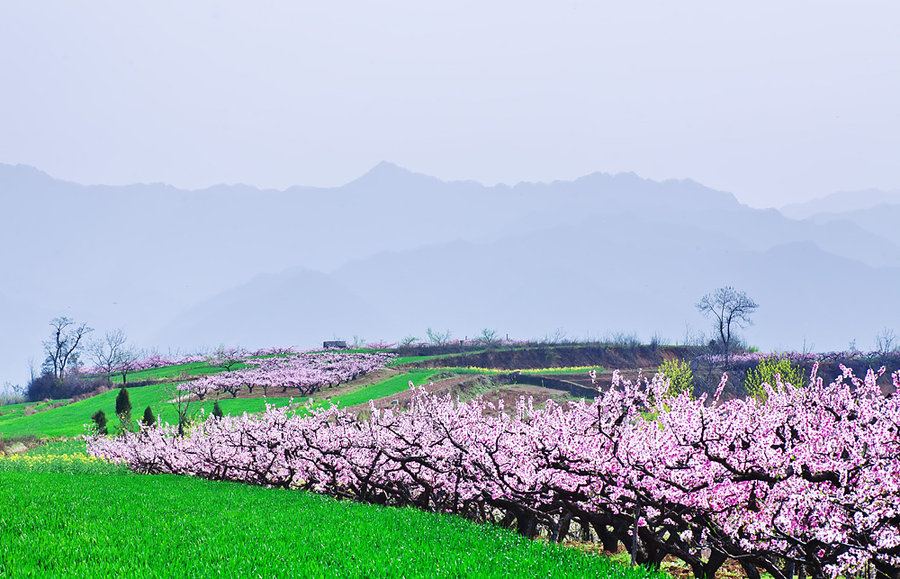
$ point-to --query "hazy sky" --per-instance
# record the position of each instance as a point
(773, 100)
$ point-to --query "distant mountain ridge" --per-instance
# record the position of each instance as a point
(842, 202)
(394, 252)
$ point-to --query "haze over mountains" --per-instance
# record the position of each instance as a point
(394, 252)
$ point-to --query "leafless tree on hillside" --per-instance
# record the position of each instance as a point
(488, 337)
(128, 362)
(106, 353)
(729, 307)
(886, 341)
(64, 343)
(438, 338)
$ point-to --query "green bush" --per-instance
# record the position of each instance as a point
(766, 372)
(149, 419)
(123, 408)
(680, 376)
(217, 410)
(99, 419)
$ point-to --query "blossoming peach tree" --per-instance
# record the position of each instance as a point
(305, 373)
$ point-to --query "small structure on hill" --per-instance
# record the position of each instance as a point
(334, 344)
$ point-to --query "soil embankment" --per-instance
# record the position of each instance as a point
(611, 357)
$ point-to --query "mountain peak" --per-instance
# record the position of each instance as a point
(386, 173)
(9, 173)
(387, 166)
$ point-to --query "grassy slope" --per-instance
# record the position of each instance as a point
(170, 372)
(10, 411)
(102, 522)
(70, 420)
(382, 389)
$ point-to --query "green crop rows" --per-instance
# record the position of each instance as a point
(105, 522)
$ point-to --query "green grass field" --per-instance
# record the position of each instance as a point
(11, 411)
(66, 514)
(387, 388)
(96, 520)
(69, 420)
(172, 372)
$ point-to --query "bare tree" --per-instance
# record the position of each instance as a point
(128, 362)
(12, 393)
(488, 337)
(32, 371)
(64, 343)
(885, 341)
(438, 338)
(729, 307)
(107, 352)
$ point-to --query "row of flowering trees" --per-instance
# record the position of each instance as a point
(801, 358)
(303, 373)
(136, 363)
(810, 476)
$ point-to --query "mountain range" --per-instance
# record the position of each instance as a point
(395, 252)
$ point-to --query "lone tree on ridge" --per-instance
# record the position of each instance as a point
(728, 307)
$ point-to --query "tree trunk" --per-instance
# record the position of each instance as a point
(562, 528)
(709, 569)
(885, 571)
(526, 525)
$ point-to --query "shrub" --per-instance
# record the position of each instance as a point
(148, 420)
(99, 419)
(680, 376)
(217, 410)
(48, 386)
(123, 407)
(766, 372)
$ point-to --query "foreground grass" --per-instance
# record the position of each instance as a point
(67, 447)
(104, 522)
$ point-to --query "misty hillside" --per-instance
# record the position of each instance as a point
(881, 219)
(587, 281)
(842, 202)
(394, 252)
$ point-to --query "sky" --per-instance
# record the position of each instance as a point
(774, 101)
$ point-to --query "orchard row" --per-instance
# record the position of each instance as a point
(303, 373)
(808, 476)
